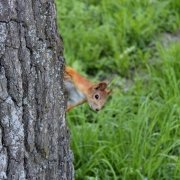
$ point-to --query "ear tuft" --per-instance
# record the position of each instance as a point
(101, 86)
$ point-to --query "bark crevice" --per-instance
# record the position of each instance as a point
(34, 140)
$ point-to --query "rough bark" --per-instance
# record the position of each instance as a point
(34, 140)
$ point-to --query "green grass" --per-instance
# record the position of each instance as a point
(136, 45)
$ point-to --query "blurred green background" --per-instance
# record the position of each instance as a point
(135, 44)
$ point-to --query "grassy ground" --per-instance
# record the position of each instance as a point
(136, 45)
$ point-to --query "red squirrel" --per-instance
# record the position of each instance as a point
(81, 90)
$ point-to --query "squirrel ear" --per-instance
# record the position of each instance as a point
(101, 86)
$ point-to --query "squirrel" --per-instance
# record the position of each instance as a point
(81, 90)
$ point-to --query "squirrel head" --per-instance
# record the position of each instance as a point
(97, 95)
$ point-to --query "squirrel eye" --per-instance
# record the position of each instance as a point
(96, 96)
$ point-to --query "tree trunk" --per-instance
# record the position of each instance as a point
(34, 140)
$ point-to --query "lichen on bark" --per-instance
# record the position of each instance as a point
(34, 139)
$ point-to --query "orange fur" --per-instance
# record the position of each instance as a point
(82, 90)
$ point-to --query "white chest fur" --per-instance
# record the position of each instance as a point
(74, 95)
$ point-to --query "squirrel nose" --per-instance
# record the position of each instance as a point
(97, 109)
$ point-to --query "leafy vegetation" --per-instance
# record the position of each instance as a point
(136, 46)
